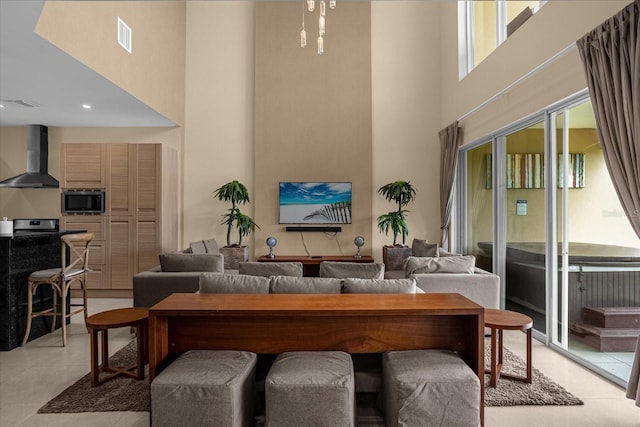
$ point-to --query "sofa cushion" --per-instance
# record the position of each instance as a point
(267, 269)
(379, 286)
(452, 264)
(209, 246)
(444, 253)
(423, 248)
(233, 284)
(343, 270)
(305, 285)
(179, 261)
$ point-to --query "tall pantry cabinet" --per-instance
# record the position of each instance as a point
(140, 219)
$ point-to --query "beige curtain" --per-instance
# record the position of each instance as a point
(450, 140)
(611, 57)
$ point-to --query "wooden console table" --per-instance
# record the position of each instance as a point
(311, 264)
(355, 323)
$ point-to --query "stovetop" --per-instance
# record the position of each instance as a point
(22, 225)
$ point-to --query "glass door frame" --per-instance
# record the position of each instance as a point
(498, 141)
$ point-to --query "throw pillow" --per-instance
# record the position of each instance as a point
(305, 285)
(211, 246)
(379, 286)
(197, 247)
(443, 253)
(343, 270)
(423, 248)
(452, 264)
(233, 284)
(268, 269)
(179, 261)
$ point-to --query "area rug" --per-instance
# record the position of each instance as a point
(128, 394)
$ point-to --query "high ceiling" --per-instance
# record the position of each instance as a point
(35, 72)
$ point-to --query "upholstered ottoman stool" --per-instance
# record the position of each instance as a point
(311, 388)
(203, 387)
(429, 387)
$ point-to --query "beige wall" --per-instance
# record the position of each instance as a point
(45, 203)
(557, 25)
(312, 118)
(219, 112)
(406, 74)
(153, 72)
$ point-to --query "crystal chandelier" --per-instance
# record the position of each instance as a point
(311, 6)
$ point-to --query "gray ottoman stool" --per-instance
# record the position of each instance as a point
(429, 388)
(311, 388)
(213, 388)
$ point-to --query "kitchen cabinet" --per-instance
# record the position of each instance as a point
(82, 166)
(140, 219)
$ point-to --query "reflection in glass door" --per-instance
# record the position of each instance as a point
(598, 262)
(524, 223)
(479, 192)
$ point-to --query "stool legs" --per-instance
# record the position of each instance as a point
(29, 313)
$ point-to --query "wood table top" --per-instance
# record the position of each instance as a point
(118, 317)
(314, 304)
(506, 319)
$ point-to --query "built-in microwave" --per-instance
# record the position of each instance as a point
(83, 201)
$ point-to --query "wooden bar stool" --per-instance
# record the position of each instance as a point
(72, 271)
(498, 321)
(118, 318)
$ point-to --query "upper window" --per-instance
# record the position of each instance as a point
(484, 25)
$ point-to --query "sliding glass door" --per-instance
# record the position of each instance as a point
(540, 210)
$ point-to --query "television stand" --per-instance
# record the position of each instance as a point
(311, 264)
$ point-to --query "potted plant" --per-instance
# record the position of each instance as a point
(237, 194)
(401, 193)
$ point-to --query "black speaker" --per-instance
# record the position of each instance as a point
(325, 229)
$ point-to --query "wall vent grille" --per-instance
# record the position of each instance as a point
(124, 35)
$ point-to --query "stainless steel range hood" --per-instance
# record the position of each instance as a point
(37, 174)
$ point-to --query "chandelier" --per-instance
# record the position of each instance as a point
(310, 6)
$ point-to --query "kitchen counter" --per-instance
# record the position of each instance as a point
(21, 254)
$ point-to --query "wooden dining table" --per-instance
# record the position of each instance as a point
(354, 323)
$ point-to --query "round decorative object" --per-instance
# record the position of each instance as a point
(359, 242)
(271, 242)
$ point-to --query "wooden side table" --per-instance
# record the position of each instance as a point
(498, 321)
(118, 318)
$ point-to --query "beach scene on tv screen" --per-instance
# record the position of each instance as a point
(315, 203)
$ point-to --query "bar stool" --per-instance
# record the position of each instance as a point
(73, 270)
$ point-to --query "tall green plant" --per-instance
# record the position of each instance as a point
(402, 193)
(236, 193)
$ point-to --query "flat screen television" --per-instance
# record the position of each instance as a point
(315, 202)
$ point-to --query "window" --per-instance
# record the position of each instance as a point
(484, 25)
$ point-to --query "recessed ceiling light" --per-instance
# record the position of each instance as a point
(86, 106)
(1, 105)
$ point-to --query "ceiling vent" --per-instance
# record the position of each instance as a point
(124, 35)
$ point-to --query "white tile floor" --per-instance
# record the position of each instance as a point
(32, 375)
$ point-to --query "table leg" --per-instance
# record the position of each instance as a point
(95, 369)
(494, 365)
(529, 361)
(105, 349)
(141, 351)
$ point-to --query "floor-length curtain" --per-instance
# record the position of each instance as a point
(450, 140)
(611, 57)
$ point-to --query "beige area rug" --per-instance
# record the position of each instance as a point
(128, 394)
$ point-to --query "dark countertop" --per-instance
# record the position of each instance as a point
(31, 234)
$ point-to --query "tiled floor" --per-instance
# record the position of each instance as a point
(31, 375)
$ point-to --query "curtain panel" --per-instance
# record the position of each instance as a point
(450, 140)
(611, 58)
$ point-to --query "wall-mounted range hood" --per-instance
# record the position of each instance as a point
(37, 174)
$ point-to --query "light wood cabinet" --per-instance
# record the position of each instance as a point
(82, 166)
(140, 219)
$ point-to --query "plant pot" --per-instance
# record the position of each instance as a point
(234, 255)
(395, 256)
